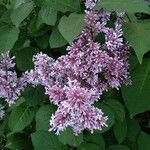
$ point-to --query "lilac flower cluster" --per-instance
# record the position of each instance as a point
(75, 81)
(10, 85)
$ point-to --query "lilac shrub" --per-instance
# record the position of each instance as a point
(76, 80)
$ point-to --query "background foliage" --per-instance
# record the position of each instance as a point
(30, 26)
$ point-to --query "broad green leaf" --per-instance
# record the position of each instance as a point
(130, 6)
(61, 5)
(16, 3)
(68, 137)
(120, 131)
(18, 141)
(118, 147)
(24, 58)
(95, 138)
(117, 109)
(43, 116)
(20, 13)
(133, 130)
(56, 39)
(48, 15)
(8, 37)
(34, 95)
(88, 146)
(44, 140)
(20, 117)
(144, 141)
(137, 39)
(70, 27)
(36, 28)
(136, 96)
(107, 112)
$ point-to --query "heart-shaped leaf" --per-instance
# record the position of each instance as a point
(70, 27)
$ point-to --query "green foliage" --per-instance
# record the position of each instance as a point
(136, 96)
(68, 137)
(43, 116)
(120, 131)
(8, 37)
(71, 26)
(117, 109)
(20, 117)
(118, 147)
(18, 141)
(61, 5)
(21, 12)
(109, 113)
(139, 31)
(129, 6)
(46, 140)
(88, 146)
(34, 95)
(144, 141)
(95, 138)
(24, 58)
(30, 26)
(48, 15)
(56, 39)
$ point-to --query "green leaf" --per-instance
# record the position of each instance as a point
(117, 109)
(144, 141)
(20, 13)
(117, 147)
(43, 116)
(8, 37)
(56, 39)
(131, 6)
(68, 137)
(20, 117)
(133, 130)
(70, 27)
(16, 3)
(88, 146)
(43, 41)
(34, 95)
(61, 5)
(120, 131)
(43, 140)
(18, 141)
(136, 96)
(95, 138)
(137, 39)
(3, 10)
(24, 58)
(107, 112)
(36, 28)
(48, 15)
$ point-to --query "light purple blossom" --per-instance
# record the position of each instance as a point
(76, 111)
(89, 4)
(10, 86)
(76, 80)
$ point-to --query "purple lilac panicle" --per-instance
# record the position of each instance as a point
(75, 81)
(10, 85)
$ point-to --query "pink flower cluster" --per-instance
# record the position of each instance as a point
(75, 81)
